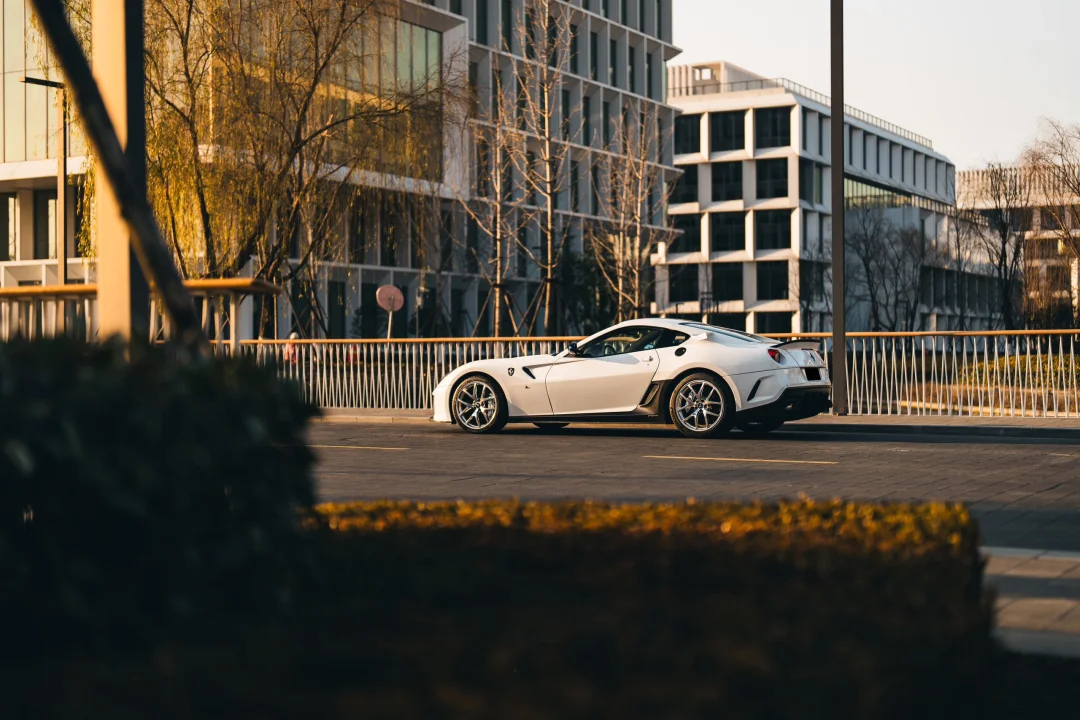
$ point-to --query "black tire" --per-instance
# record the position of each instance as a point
(758, 427)
(547, 427)
(478, 405)
(712, 396)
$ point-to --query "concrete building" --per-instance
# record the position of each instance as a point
(755, 214)
(1045, 219)
(620, 53)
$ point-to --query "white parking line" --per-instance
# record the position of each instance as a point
(742, 460)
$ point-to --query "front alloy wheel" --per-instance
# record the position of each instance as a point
(702, 406)
(479, 406)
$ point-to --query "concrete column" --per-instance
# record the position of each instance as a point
(117, 38)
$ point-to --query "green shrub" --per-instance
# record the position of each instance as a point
(800, 609)
(1034, 371)
(568, 610)
(139, 495)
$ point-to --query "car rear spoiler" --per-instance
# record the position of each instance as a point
(799, 345)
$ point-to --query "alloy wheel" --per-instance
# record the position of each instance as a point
(476, 405)
(699, 405)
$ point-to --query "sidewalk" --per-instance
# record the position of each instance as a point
(1038, 604)
(1050, 428)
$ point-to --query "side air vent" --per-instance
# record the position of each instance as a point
(529, 372)
(753, 391)
(650, 393)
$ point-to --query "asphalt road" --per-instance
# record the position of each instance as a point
(1026, 493)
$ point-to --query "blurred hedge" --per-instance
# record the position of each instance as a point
(1048, 370)
(140, 496)
(506, 609)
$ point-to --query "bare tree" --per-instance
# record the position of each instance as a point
(267, 118)
(868, 235)
(1053, 162)
(1003, 196)
(495, 203)
(545, 30)
(632, 197)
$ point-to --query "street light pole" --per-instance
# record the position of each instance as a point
(61, 188)
(839, 352)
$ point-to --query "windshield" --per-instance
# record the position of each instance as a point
(736, 334)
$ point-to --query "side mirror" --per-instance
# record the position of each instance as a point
(572, 349)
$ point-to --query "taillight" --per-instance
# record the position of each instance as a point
(775, 355)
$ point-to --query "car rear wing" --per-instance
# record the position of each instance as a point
(799, 345)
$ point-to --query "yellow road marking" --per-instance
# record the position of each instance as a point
(355, 447)
(743, 460)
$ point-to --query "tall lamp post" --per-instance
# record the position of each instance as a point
(839, 352)
(61, 187)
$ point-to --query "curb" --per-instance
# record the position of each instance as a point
(374, 419)
(1037, 642)
(998, 431)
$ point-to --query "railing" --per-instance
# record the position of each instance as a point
(1035, 374)
(796, 88)
(383, 374)
(33, 312)
(980, 374)
(993, 374)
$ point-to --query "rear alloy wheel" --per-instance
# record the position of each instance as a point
(478, 405)
(546, 427)
(758, 427)
(701, 406)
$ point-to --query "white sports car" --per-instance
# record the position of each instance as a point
(702, 378)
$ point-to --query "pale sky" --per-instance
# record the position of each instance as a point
(975, 76)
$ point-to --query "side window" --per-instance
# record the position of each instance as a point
(671, 338)
(623, 340)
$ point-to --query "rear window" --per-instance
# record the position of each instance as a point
(728, 332)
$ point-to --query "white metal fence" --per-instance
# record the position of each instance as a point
(1034, 374)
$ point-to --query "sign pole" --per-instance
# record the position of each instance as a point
(839, 351)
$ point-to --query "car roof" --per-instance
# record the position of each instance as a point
(689, 326)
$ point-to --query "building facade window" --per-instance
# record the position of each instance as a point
(734, 321)
(778, 323)
(594, 56)
(9, 224)
(682, 283)
(44, 224)
(606, 112)
(772, 280)
(772, 127)
(727, 232)
(687, 134)
(772, 229)
(586, 119)
(631, 69)
(649, 84)
(574, 49)
(772, 178)
(727, 181)
(686, 186)
(727, 282)
(566, 119)
(575, 180)
(690, 239)
(613, 52)
(811, 181)
(508, 25)
(727, 131)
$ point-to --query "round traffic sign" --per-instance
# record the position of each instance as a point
(390, 298)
